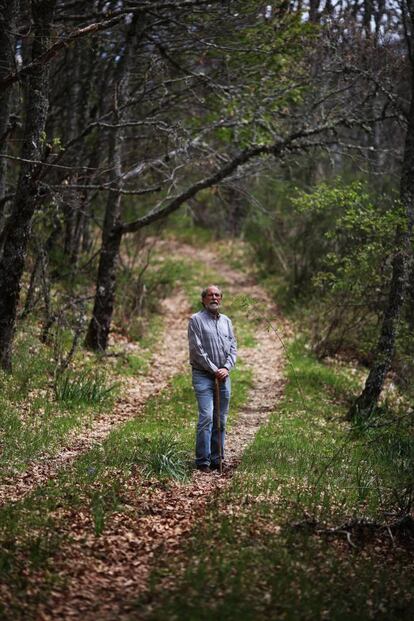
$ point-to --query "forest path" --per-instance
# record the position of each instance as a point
(137, 390)
(103, 576)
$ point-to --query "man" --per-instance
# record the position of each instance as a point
(213, 354)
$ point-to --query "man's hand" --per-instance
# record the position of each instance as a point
(221, 374)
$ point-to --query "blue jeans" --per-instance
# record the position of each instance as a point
(207, 446)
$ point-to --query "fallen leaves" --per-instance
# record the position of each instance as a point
(137, 392)
(99, 577)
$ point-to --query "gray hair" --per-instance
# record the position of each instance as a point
(205, 291)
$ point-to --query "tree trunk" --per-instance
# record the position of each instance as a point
(99, 326)
(17, 229)
(367, 401)
(72, 92)
(314, 11)
(8, 9)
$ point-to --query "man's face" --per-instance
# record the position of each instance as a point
(212, 301)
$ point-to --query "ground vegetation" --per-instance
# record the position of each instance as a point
(148, 149)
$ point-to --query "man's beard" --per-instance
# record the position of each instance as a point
(213, 307)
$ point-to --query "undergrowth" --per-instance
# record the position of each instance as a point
(36, 415)
(156, 445)
(41, 404)
(85, 387)
(295, 537)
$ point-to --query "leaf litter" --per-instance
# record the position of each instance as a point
(137, 391)
(100, 577)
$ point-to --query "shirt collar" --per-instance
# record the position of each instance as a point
(211, 314)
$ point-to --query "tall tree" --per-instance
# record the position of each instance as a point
(98, 330)
(8, 12)
(17, 230)
(368, 399)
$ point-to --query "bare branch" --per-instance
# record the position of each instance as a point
(106, 188)
(92, 29)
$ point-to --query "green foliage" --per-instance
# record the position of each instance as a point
(285, 245)
(163, 456)
(350, 281)
(84, 387)
(359, 239)
(388, 462)
(182, 226)
(33, 363)
(328, 252)
(33, 421)
(157, 443)
(266, 72)
(337, 235)
(257, 555)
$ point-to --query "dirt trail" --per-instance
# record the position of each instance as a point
(106, 574)
(137, 390)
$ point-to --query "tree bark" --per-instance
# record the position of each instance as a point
(314, 11)
(8, 10)
(99, 326)
(368, 399)
(18, 227)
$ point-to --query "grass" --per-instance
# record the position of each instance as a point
(163, 456)
(256, 554)
(38, 413)
(36, 419)
(84, 387)
(159, 442)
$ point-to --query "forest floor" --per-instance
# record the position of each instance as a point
(103, 575)
(169, 357)
(310, 520)
(100, 576)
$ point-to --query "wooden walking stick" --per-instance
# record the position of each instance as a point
(219, 425)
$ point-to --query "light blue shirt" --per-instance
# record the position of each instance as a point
(211, 341)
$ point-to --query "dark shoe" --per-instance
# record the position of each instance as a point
(204, 468)
(217, 466)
